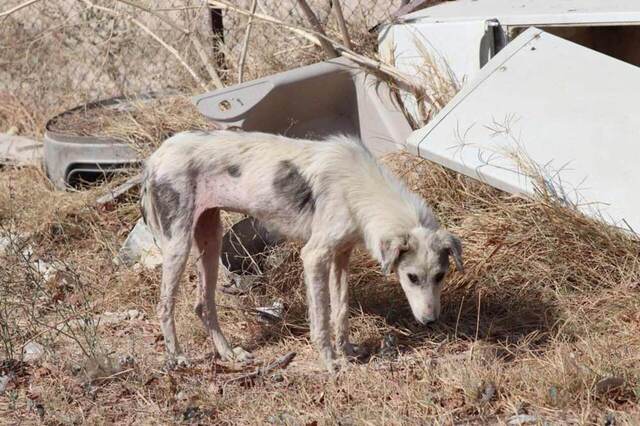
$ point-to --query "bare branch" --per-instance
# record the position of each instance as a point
(403, 81)
(342, 24)
(313, 20)
(164, 19)
(213, 74)
(281, 362)
(153, 35)
(245, 42)
(17, 8)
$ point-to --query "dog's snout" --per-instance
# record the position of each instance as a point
(428, 320)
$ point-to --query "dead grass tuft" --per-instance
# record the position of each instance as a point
(544, 324)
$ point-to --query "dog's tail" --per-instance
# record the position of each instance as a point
(146, 203)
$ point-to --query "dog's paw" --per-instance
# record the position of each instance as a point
(177, 362)
(241, 355)
(237, 354)
(350, 350)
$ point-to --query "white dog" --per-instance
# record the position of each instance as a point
(330, 194)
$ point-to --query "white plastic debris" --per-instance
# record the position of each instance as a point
(139, 247)
(546, 114)
(32, 351)
(19, 151)
(271, 313)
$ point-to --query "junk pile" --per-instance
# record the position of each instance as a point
(547, 99)
(545, 103)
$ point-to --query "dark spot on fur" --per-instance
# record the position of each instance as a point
(289, 183)
(233, 170)
(167, 202)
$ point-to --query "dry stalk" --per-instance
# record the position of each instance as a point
(342, 24)
(315, 23)
(245, 42)
(153, 35)
(17, 8)
(401, 80)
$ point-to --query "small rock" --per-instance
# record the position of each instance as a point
(609, 384)
(182, 396)
(32, 351)
(111, 318)
(522, 419)
(389, 346)
(486, 392)
(139, 247)
(4, 382)
(126, 361)
(192, 413)
(135, 314)
(609, 420)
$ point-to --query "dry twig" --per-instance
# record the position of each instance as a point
(281, 362)
(153, 35)
(245, 42)
(17, 8)
(401, 80)
(315, 23)
(342, 24)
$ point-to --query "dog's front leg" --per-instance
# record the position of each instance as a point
(339, 289)
(317, 260)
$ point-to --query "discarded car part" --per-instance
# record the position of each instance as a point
(19, 151)
(139, 247)
(547, 114)
(71, 158)
(246, 254)
(314, 101)
(461, 36)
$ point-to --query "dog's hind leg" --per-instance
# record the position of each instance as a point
(339, 291)
(208, 240)
(174, 257)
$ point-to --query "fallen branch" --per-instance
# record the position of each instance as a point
(281, 362)
(342, 24)
(245, 42)
(153, 35)
(401, 80)
(213, 74)
(120, 190)
(315, 23)
(17, 8)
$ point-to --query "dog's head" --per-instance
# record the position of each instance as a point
(421, 261)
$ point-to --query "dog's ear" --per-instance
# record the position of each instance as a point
(390, 251)
(453, 246)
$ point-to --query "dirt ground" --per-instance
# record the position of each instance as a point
(543, 327)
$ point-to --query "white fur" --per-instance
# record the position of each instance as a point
(353, 200)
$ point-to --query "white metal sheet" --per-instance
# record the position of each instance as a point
(532, 12)
(570, 110)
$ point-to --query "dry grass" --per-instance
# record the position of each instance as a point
(547, 308)
(141, 123)
(549, 305)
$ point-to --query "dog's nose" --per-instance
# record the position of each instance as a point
(428, 320)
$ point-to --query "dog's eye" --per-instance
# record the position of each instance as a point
(439, 276)
(413, 278)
